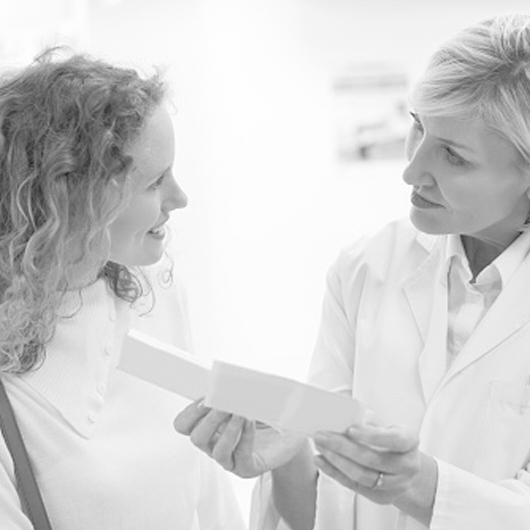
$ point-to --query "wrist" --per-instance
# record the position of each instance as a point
(301, 465)
(418, 500)
(294, 487)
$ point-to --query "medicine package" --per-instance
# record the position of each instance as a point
(278, 401)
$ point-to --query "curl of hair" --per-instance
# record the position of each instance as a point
(483, 72)
(65, 125)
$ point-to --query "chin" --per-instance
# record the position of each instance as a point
(149, 260)
(428, 225)
(140, 260)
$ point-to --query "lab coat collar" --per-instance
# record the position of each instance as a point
(420, 281)
(505, 264)
(509, 313)
(428, 303)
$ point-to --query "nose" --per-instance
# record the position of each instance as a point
(418, 170)
(175, 196)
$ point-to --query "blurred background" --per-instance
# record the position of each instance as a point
(290, 118)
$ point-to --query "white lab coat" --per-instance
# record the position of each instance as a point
(382, 339)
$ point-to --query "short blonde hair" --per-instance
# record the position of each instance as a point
(484, 72)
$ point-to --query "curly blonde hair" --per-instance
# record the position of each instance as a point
(65, 124)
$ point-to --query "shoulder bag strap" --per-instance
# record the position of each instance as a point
(26, 484)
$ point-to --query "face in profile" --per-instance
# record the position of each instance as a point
(137, 234)
(466, 179)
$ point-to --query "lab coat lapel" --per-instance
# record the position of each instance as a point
(508, 314)
(426, 292)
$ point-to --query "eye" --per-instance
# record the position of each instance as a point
(454, 158)
(158, 182)
(416, 122)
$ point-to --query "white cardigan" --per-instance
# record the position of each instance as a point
(105, 453)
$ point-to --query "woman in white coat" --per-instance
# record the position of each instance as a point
(427, 322)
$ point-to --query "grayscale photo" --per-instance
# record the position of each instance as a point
(264, 265)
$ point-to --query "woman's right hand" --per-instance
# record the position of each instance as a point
(241, 446)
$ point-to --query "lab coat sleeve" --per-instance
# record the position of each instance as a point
(333, 358)
(332, 368)
(367, 262)
(218, 508)
(465, 501)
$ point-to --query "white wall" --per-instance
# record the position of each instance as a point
(269, 204)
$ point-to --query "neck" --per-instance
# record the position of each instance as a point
(480, 253)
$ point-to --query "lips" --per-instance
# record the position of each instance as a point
(421, 202)
(158, 229)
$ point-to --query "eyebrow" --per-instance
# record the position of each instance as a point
(160, 174)
(455, 144)
(416, 118)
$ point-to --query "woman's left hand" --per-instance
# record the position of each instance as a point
(382, 463)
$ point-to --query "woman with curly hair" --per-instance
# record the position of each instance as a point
(86, 189)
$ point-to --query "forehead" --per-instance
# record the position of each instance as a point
(153, 150)
(482, 142)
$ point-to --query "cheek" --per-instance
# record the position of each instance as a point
(137, 219)
(461, 201)
(480, 207)
(123, 234)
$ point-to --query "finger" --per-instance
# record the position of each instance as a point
(189, 417)
(223, 451)
(395, 438)
(327, 468)
(353, 471)
(244, 452)
(203, 434)
(381, 494)
(245, 445)
(363, 455)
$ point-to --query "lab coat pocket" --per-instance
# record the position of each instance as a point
(504, 438)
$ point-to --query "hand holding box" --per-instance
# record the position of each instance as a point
(277, 401)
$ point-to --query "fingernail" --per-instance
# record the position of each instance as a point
(200, 405)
